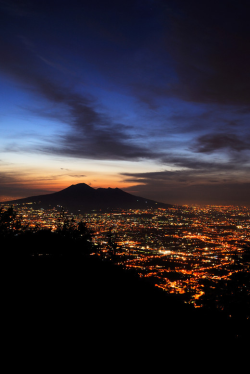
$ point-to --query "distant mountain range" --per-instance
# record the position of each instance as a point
(83, 198)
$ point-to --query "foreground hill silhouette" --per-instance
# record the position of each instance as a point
(53, 288)
(83, 198)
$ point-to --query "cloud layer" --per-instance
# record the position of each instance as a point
(160, 82)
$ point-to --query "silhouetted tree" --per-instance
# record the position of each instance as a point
(69, 239)
(7, 218)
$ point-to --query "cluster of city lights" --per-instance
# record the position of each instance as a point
(191, 251)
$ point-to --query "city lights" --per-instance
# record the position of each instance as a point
(194, 252)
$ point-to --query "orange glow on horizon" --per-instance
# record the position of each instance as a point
(40, 186)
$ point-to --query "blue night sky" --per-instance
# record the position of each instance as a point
(150, 96)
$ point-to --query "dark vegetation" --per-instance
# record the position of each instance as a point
(53, 289)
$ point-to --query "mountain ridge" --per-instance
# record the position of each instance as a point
(83, 198)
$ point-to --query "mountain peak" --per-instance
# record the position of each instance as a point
(78, 187)
(81, 197)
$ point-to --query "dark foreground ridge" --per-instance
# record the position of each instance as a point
(54, 290)
(83, 198)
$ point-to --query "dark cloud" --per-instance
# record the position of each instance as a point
(14, 186)
(208, 47)
(8, 177)
(190, 163)
(196, 51)
(181, 177)
(214, 142)
(109, 143)
(211, 194)
(77, 175)
(189, 187)
(17, 191)
(92, 134)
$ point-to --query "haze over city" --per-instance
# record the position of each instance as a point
(149, 96)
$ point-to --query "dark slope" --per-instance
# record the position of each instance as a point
(81, 197)
(97, 301)
(71, 299)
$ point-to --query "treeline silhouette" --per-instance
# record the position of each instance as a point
(53, 286)
(20, 240)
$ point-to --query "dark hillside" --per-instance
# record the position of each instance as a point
(72, 293)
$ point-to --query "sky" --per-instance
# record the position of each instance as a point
(150, 96)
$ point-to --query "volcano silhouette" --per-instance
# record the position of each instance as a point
(83, 198)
